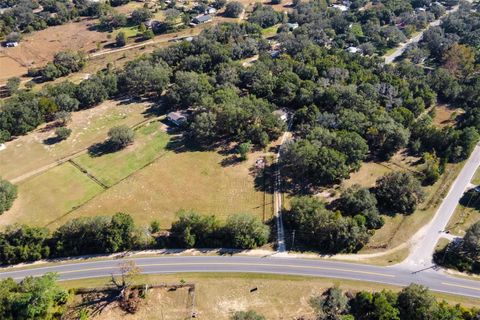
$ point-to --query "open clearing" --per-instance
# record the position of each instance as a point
(217, 296)
(53, 193)
(112, 167)
(446, 116)
(184, 180)
(28, 153)
(151, 179)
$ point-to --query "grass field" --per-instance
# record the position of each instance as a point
(186, 180)
(217, 296)
(110, 168)
(465, 216)
(30, 152)
(44, 198)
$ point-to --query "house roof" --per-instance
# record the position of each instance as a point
(203, 18)
(176, 116)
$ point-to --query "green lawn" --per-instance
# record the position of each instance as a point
(110, 168)
(48, 196)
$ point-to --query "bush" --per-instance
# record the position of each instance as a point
(120, 136)
(8, 194)
(247, 315)
(244, 149)
(233, 9)
(23, 243)
(12, 85)
(63, 133)
(121, 39)
(399, 192)
(246, 231)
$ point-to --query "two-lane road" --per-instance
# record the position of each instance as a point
(396, 275)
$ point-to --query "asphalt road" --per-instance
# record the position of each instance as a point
(396, 275)
(424, 242)
(401, 49)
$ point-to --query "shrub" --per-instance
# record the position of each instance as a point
(120, 136)
(233, 9)
(63, 133)
(8, 194)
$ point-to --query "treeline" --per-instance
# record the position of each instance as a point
(33, 298)
(94, 235)
(63, 64)
(414, 302)
(346, 224)
(462, 254)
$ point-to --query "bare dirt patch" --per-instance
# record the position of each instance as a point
(446, 116)
(39, 47)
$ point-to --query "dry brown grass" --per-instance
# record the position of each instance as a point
(28, 153)
(445, 115)
(219, 295)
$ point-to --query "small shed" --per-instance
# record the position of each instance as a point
(354, 50)
(210, 10)
(177, 117)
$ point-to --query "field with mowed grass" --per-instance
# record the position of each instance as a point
(151, 179)
(46, 197)
(111, 167)
(29, 153)
(177, 181)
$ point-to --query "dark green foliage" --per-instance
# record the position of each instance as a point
(120, 136)
(324, 157)
(63, 64)
(332, 304)
(233, 9)
(399, 192)
(141, 15)
(142, 77)
(12, 85)
(324, 230)
(463, 255)
(91, 92)
(189, 89)
(8, 194)
(23, 243)
(63, 133)
(120, 39)
(246, 231)
(415, 302)
(94, 235)
(359, 200)
(247, 315)
(194, 230)
(265, 16)
(34, 298)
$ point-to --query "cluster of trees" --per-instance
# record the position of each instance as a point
(374, 29)
(30, 15)
(347, 224)
(8, 194)
(463, 255)
(239, 231)
(33, 298)
(63, 64)
(414, 302)
(26, 110)
(346, 107)
(101, 234)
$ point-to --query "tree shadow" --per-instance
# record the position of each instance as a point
(51, 141)
(471, 199)
(102, 148)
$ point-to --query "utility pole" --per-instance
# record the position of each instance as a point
(293, 238)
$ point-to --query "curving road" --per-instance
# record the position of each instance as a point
(396, 275)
